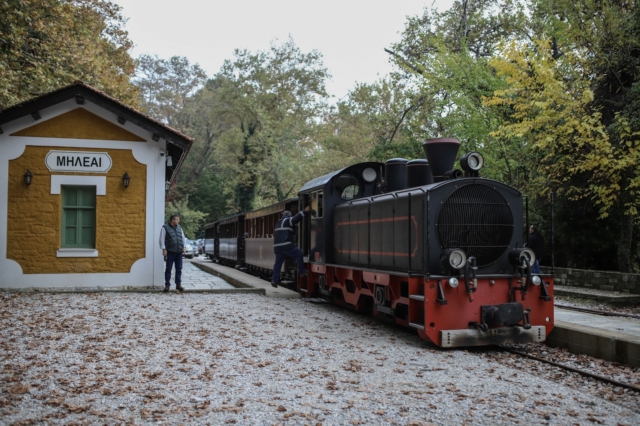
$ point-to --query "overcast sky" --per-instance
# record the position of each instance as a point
(350, 34)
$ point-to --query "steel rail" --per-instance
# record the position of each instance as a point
(593, 311)
(575, 370)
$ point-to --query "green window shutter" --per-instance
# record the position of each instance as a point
(78, 216)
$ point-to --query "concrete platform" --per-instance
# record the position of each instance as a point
(608, 338)
(592, 294)
(243, 280)
(194, 280)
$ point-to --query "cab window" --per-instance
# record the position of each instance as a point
(317, 203)
(347, 186)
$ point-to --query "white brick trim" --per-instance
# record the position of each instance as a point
(100, 182)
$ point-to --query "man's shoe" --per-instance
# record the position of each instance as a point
(274, 285)
(180, 288)
(166, 289)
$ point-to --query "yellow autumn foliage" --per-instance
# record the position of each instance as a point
(551, 112)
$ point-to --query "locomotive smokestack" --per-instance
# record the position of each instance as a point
(441, 154)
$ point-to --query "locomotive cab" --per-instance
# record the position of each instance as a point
(351, 183)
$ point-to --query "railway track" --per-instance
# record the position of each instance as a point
(573, 369)
(596, 312)
(597, 377)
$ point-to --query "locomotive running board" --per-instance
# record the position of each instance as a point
(495, 336)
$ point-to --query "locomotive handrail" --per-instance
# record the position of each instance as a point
(387, 194)
(409, 190)
(470, 286)
(409, 232)
(356, 201)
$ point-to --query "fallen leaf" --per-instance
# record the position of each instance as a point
(18, 388)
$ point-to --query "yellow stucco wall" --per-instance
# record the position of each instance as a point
(79, 124)
(35, 216)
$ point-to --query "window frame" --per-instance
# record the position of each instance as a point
(317, 203)
(78, 207)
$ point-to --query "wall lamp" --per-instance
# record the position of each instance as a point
(126, 180)
(169, 160)
(167, 186)
(27, 177)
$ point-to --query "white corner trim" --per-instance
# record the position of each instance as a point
(77, 252)
(100, 182)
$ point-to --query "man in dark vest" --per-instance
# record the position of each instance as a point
(536, 243)
(173, 244)
(283, 245)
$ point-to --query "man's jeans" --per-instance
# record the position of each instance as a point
(536, 267)
(171, 259)
(293, 252)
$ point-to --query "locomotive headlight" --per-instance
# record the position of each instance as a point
(455, 258)
(453, 282)
(518, 256)
(472, 161)
(536, 280)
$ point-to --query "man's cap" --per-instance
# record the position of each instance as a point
(286, 213)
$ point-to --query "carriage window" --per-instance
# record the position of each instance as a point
(317, 203)
(347, 187)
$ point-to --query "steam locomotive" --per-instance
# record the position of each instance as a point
(431, 247)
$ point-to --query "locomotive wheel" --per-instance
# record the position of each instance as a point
(380, 295)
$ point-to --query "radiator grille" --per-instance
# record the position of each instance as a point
(477, 219)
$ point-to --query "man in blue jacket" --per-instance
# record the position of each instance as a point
(283, 245)
(173, 244)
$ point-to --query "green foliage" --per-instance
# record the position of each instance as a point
(257, 117)
(443, 61)
(255, 125)
(209, 196)
(361, 127)
(47, 44)
(190, 220)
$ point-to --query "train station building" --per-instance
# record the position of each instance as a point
(83, 181)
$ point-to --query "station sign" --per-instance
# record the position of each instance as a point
(78, 161)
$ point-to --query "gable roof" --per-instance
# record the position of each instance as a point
(178, 144)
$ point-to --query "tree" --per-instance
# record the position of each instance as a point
(208, 196)
(597, 42)
(443, 61)
(265, 107)
(47, 44)
(368, 125)
(554, 113)
(167, 85)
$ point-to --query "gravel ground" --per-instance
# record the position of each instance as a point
(248, 359)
